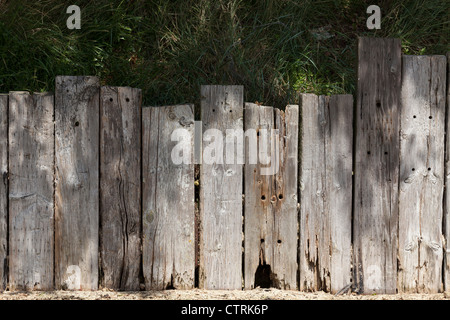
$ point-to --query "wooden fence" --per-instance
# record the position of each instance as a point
(91, 197)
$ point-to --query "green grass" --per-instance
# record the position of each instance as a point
(170, 48)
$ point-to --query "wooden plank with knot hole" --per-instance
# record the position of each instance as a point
(422, 145)
(271, 220)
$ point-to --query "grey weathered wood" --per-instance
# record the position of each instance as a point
(271, 197)
(447, 187)
(3, 189)
(325, 192)
(31, 173)
(120, 187)
(339, 166)
(314, 225)
(376, 166)
(421, 174)
(77, 182)
(221, 190)
(168, 198)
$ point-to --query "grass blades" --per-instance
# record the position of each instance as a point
(275, 48)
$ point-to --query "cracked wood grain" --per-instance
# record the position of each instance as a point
(3, 189)
(447, 187)
(120, 187)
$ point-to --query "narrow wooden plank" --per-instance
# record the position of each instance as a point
(31, 170)
(3, 189)
(168, 197)
(77, 182)
(325, 192)
(271, 198)
(314, 225)
(120, 187)
(221, 188)
(258, 222)
(447, 186)
(421, 174)
(286, 190)
(339, 166)
(376, 167)
(431, 244)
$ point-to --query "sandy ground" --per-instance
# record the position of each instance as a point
(197, 294)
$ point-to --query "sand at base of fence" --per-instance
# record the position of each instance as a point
(197, 294)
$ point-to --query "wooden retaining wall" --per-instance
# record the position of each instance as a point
(333, 193)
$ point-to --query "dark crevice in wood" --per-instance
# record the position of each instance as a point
(445, 200)
(124, 212)
(6, 183)
(197, 224)
(141, 204)
(100, 216)
(243, 209)
(54, 192)
(170, 285)
(263, 276)
(298, 186)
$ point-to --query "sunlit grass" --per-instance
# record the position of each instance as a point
(274, 48)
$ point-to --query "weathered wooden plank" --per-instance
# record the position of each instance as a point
(31, 173)
(339, 166)
(421, 174)
(376, 166)
(314, 225)
(120, 187)
(286, 190)
(447, 187)
(168, 197)
(270, 246)
(3, 189)
(77, 182)
(258, 235)
(325, 192)
(221, 189)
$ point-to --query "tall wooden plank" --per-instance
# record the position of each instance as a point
(76, 182)
(168, 197)
(339, 166)
(258, 212)
(120, 187)
(325, 192)
(376, 167)
(286, 192)
(31, 170)
(421, 174)
(270, 247)
(314, 229)
(3, 189)
(447, 187)
(221, 188)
